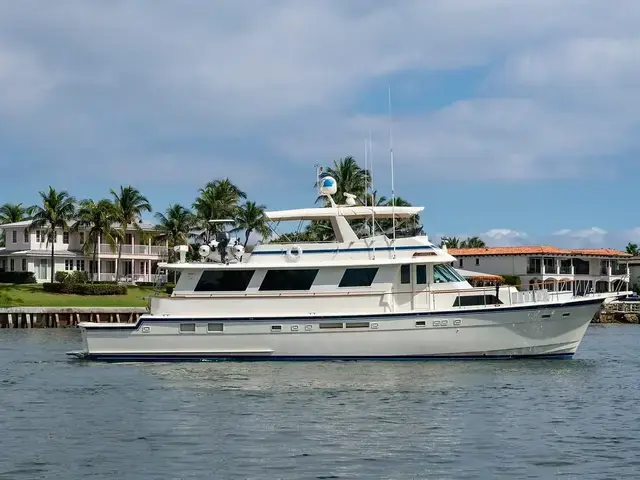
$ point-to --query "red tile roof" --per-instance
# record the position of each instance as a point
(535, 250)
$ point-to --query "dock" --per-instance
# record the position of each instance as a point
(56, 317)
(619, 311)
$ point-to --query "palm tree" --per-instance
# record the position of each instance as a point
(632, 249)
(473, 242)
(174, 226)
(217, 200)
(349, 177)
(450, 242)
(129, 204)
(11, 213)
(56, 211)
(98, 218)
(251, 218)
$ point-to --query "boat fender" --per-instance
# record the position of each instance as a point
(294, 252)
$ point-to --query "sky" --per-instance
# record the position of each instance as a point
(513, 120)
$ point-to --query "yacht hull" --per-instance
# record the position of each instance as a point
(552, 330)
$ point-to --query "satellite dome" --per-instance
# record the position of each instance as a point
(328, 186)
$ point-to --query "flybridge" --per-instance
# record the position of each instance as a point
(350, 212)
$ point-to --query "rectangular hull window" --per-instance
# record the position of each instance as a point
(357, 324)
(224, 280)
(329, 325)
(215, 327)
(187, 327)
(298, 279)
(358, 277)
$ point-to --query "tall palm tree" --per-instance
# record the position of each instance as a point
(450, 242)
(129, 204)
(632, 249)
(98, 219)
(11, 213)
(56, 211)
(251, 218)
(217, 200)
(473, 242)
(349, 177)
(174, 226)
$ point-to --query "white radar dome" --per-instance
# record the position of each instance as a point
(328, 186)
(204, 251)
(238, 250)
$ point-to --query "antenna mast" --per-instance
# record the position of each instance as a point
(373, 201)
(393, 187)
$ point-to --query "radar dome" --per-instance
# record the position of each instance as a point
(328, 186)
(204, 251)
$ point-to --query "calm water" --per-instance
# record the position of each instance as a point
(66, 419)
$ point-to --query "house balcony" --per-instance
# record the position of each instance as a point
(566, 270)
(148, 250)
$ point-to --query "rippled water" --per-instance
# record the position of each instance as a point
(69, 419)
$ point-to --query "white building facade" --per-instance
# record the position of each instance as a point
(581, 271)
(27, 250)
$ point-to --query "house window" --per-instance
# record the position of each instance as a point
(65, 237)
(38, 237)
(358, 277)
(14, 236)
(24, 264)
(12, 265)
(224, 280)
(405, 274)
(81, 238)
(26, 236)
(80, 265)
(421, 274)
(68, 264)
(289, 279)
(129, 239)
(477, 262)
(461, 263)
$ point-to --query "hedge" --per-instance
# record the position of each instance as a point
(511, 280)
(85, 288)
(17, 277)
(169, 288)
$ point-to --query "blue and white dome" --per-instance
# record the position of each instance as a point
(328, 186)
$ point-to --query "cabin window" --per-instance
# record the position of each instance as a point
(358, 277)
(357, 324)
(330, 325)
(405, 274)
(187, 327)
(421, 274)
(224, 280)
(276, 328)
(476, 300)
(298, 279)
(215, 327)
(445, 274)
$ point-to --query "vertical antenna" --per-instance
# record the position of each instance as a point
(393, 187)
(373, 201)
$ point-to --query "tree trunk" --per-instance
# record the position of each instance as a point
(53, 258)
(95, 259)
(246, 238)
(120, 243)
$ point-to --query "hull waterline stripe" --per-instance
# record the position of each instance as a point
(179, 357)
(378, 316)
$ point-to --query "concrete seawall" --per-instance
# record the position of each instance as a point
(52, 317)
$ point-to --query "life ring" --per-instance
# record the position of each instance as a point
(294, 252)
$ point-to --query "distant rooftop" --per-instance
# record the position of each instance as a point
(536, 250)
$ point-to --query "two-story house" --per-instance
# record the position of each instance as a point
(599, 269)
(27, 249)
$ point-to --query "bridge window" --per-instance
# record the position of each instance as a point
(405, 274)
(421, 274)
(224, 280)
(444, 274)
(294, 279)
(358, 277)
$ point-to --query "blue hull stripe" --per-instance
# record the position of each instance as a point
(378, 316)
(350, 250)
(197, 357)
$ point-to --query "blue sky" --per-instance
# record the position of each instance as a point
(513, 120)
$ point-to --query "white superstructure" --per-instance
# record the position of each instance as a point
(365, 296)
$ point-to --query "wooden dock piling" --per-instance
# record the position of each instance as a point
(56, 317)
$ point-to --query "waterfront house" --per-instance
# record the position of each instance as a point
(577, 270)
(634, 271)
(27, 250)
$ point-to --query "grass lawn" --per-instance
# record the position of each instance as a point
(33, 295)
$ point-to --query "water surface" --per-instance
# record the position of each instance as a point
(65, 419)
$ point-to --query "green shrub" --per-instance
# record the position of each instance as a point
(17, 277)
(79, 276)
(169, 288)
(85, 288)
(513, 280)
(61, 276)
(145, 284)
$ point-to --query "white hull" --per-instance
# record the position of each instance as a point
(552, 330)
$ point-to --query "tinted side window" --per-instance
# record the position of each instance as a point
(358, 277)
(289, 279)
(405, 274)
(224, 280)
(476, 300)
(421, 274)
